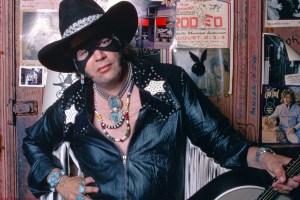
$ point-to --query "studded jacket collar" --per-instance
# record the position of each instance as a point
(173, 109)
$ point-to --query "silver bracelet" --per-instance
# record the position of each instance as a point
(261, 151)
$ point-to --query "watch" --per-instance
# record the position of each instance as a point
(261, 151)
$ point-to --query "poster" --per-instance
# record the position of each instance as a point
(204, 24)
(209, 68)
(282, 13)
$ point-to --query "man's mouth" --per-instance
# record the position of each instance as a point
(103, 68)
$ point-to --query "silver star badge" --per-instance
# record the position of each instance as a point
(71, 114)
(155, 86)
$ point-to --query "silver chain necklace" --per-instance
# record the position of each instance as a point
(115, 103)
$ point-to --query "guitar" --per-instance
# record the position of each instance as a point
(248, 184)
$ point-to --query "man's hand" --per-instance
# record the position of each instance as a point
(69, 187)
(74, 188)
(274, 165)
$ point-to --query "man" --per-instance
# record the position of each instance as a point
(288, 114)
(127, 121)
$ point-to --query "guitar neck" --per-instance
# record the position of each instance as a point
(292, 169)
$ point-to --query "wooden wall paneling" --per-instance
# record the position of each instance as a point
(8, 155)
(246, 78)
(23, 121)
(240, 69)
(254, 27)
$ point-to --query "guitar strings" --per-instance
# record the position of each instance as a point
(292, 169)
(270, 192)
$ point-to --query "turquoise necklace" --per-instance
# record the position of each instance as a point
(115, 103)
(105, 126)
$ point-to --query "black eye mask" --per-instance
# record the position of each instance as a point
(91, 46)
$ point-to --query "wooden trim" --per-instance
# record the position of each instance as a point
(247, 60)
(8, 157)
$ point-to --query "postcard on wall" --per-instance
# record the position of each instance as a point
(280, 63)
(204, 24)
(280, 114)
(209, 68)
(32, 76)
(282, 13)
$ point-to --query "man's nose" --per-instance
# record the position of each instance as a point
(99, 54)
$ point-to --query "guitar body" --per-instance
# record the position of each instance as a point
(246, 192)
(239, 184)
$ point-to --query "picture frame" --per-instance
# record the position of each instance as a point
(277, 118)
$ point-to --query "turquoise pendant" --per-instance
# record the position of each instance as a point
(115, 105)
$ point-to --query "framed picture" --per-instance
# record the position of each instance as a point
(280, 114)
(31, 76)
(38, 29)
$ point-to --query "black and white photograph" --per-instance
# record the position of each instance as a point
(280, 64)
(31, 76)
(280, 114)
(282, 13)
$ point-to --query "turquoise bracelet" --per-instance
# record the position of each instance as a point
(54, 179)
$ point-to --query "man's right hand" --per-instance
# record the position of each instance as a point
(69, 187)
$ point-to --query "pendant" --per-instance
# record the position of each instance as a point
(115, 105)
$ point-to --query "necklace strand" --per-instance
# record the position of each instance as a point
(114, 102)
(121, 92)
(126, 115)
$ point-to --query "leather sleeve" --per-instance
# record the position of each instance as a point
(41, 139)
(208, 129)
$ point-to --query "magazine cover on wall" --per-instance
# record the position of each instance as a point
(280, 63)
(280, 114)
(209, 68)
(282, 13)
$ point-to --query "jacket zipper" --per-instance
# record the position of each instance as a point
(124, 159)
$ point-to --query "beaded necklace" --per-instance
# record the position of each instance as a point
(114, 102)
(126, 115)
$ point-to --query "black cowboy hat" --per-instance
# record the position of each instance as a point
(80, 20)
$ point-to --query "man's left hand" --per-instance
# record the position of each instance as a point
(274, 164)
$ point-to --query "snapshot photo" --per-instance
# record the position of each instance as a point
(31, 76)
(280, 115)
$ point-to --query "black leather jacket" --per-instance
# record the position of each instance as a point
(154, 167)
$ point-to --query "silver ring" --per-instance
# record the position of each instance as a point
(82, 182)
(78, 197)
